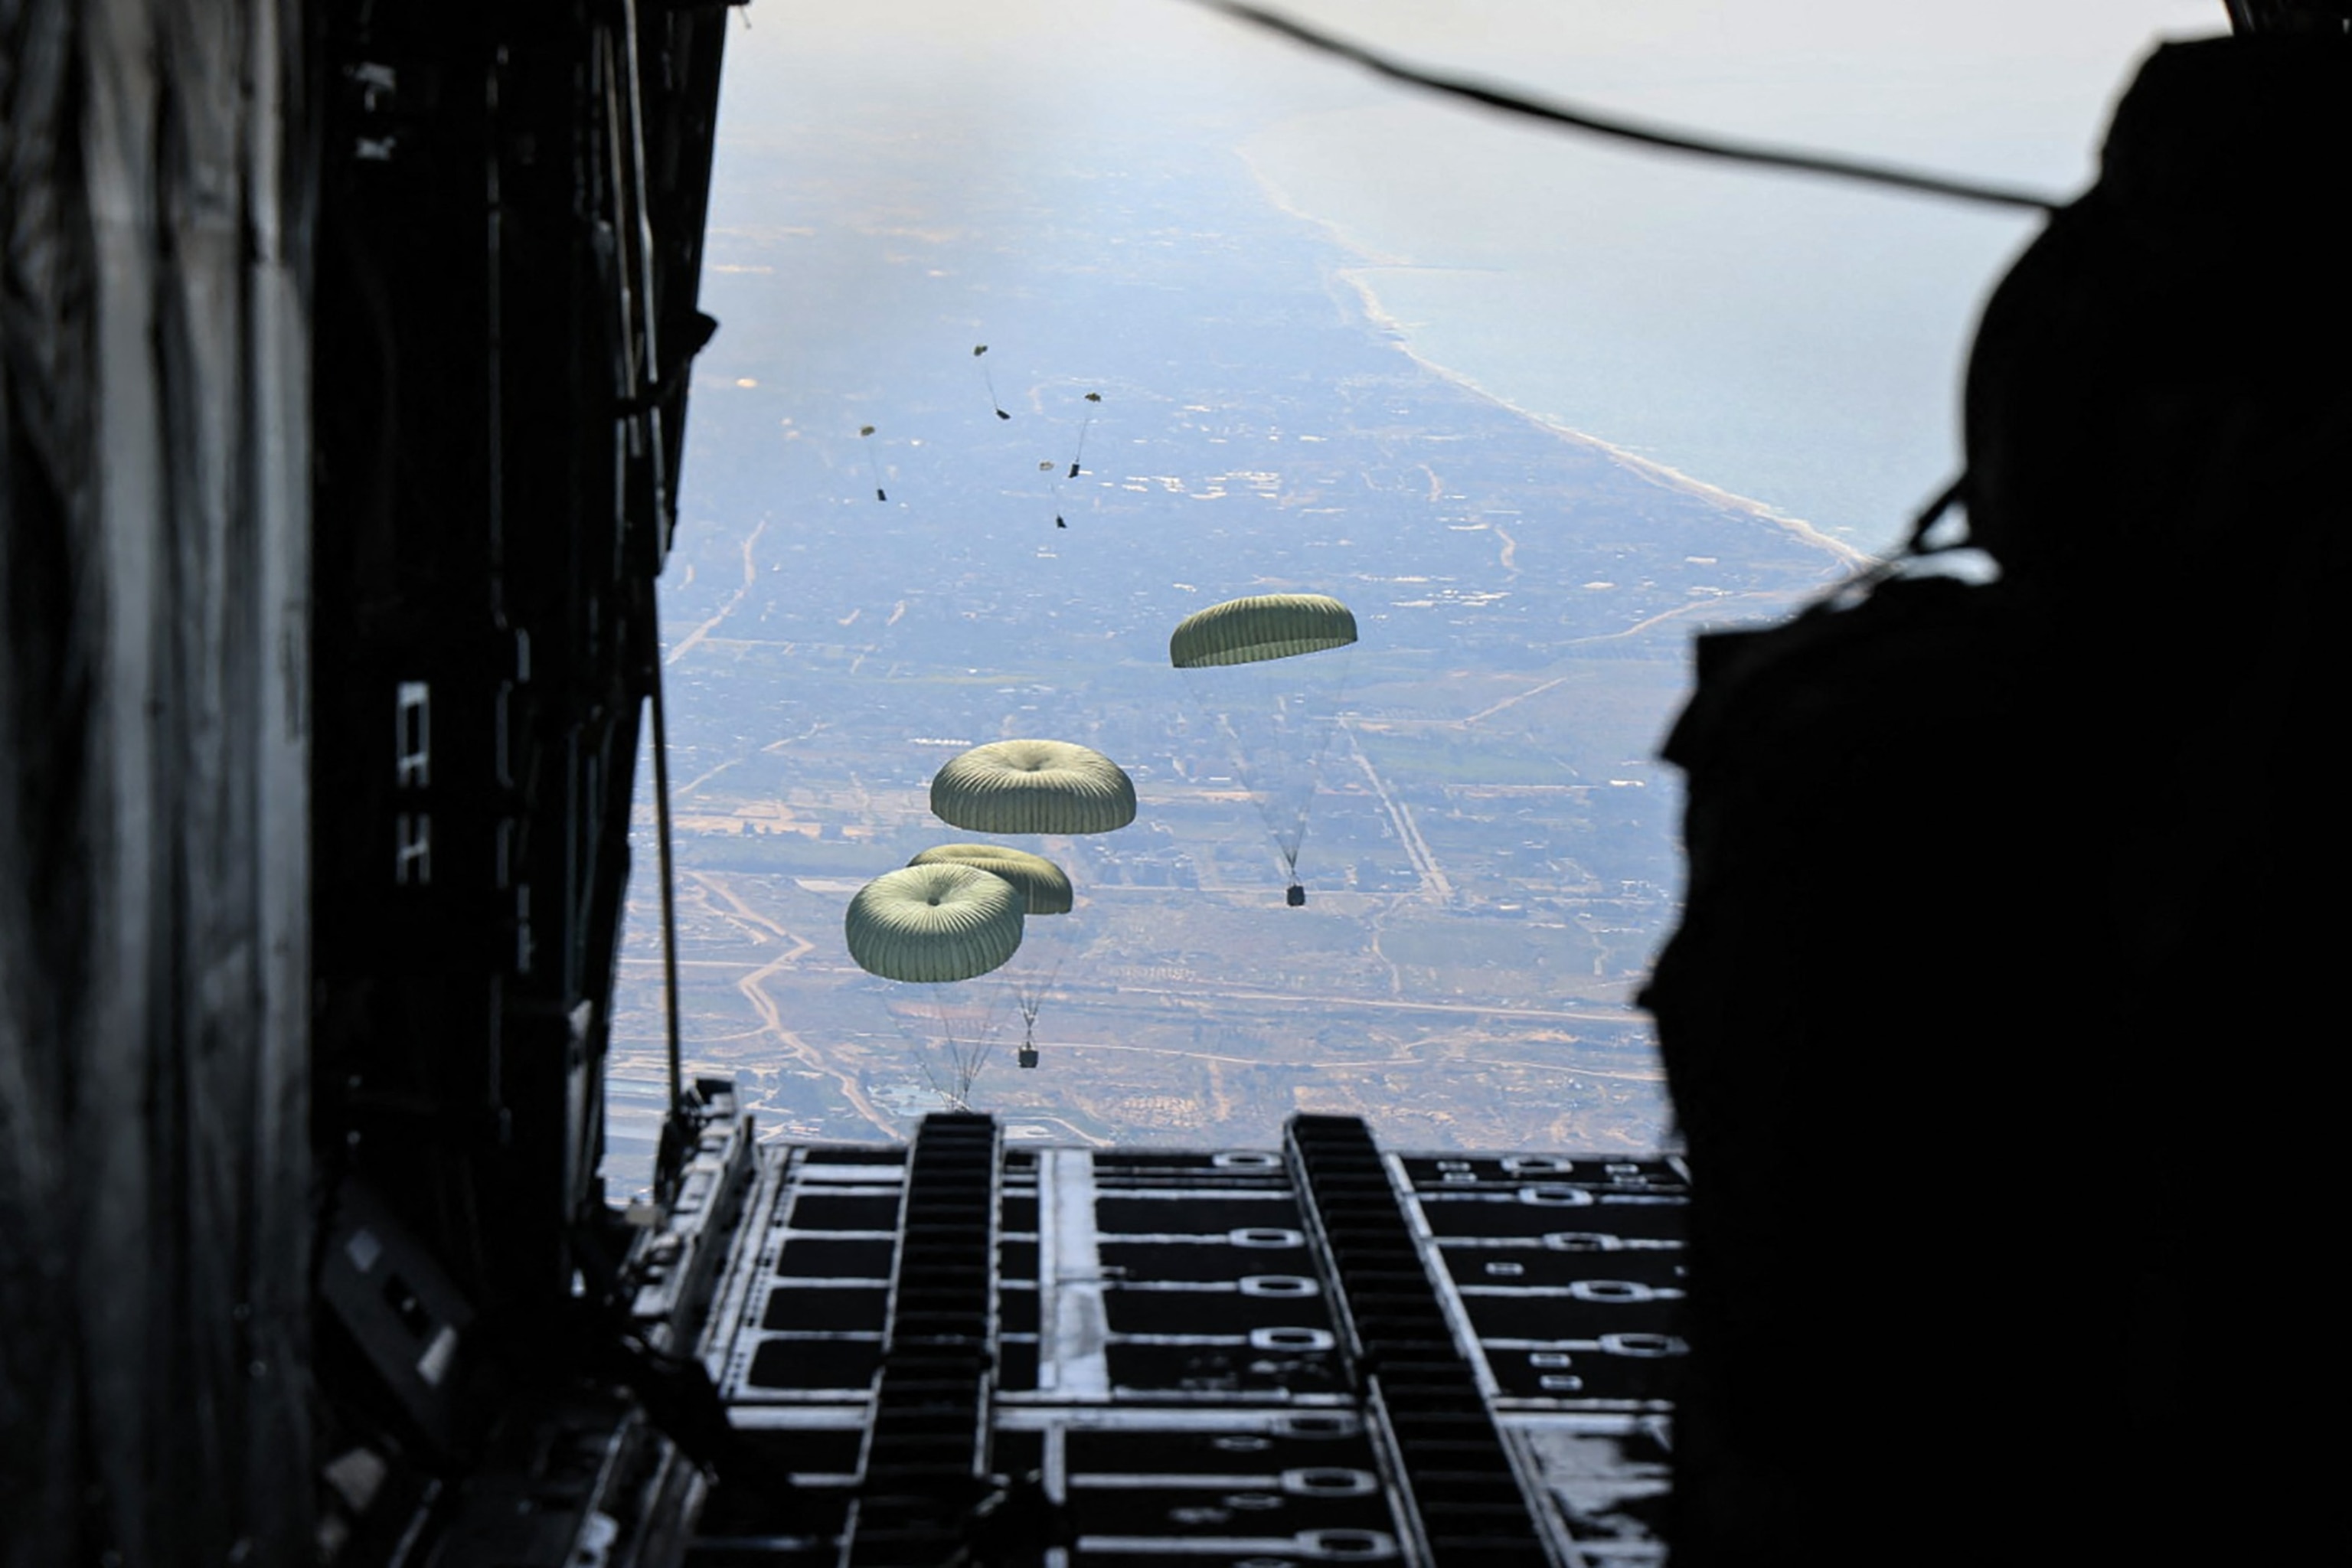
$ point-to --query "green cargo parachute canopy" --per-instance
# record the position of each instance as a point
(931, 925)
(1033, 786)
(1045, 886)
(1242, 663)
(1262, 626)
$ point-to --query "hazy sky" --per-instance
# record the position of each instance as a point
(2008, 87)
(1795, 341)
(2015, 87)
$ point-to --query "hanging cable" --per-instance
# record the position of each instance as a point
(668, 903)
(1632, 130)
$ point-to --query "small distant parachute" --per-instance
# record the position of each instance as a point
(1247, 663)
(1076, 458)
(990, 382)
(864, 432)
(932, 924)
(1047, 467)
(1033, 786)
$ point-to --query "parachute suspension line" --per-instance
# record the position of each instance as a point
(1256, 785)
(1053, 488)
(668, 897)
(966, 1058)
(945, 1091)
(1287, 828)
(989, 380)
(1030, 999)
(1345, 658)
(953, 1056)
(1085, 424)
(1292, 845)
(964, 1063)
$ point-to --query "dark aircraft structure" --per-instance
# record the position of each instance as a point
(347, 349)
(1988, 871)
(344, 350)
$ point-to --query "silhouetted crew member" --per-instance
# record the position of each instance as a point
(1990, 1024)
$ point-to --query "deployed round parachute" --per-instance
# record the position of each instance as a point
(921, 930)
(1033, 786)
(1262, 626)
(931, 925)
(1044, 885)
(1268, 671)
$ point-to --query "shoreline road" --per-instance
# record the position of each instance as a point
(1434, 882)
(734, 600)
(1489, 713)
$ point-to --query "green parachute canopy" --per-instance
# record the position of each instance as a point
(1260, 627)
(1033, 786)
(1044, 885)
(933, 924)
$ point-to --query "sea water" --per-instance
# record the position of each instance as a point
(1792, 340)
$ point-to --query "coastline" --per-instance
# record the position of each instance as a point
(1370, 260)
(1662, 474)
